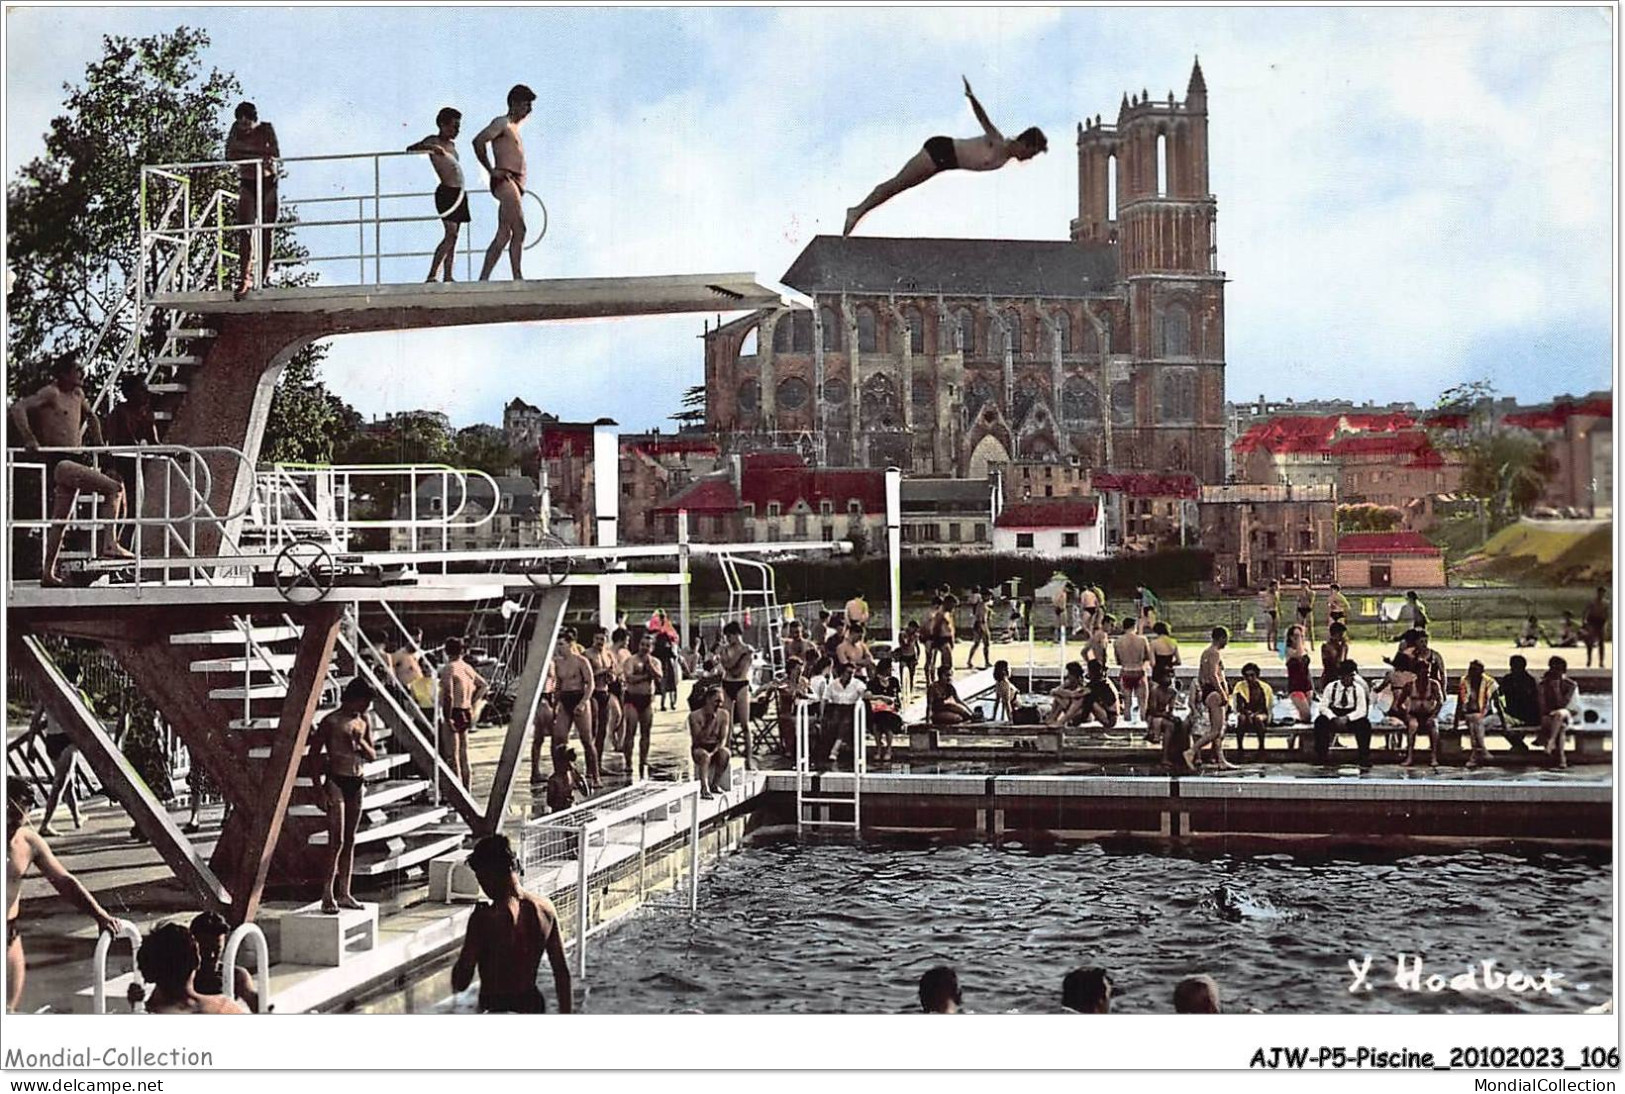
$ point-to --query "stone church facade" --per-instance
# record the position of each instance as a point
(948, 357)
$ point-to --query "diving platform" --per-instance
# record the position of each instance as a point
(396, 306)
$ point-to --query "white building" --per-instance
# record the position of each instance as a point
(1061, 528)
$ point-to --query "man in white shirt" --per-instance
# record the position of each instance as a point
(841, 698)
(1345, 705)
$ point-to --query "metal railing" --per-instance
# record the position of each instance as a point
(104, 944)
(337, 182)
(187, 481)
(320, 501)
(805, 765)
(247, 932)
(596, 859)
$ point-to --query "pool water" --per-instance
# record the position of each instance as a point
(836, 927)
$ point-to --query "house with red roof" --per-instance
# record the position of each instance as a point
(1401, 469)
(1389, 560)
(1148, 511)
(653, 468)
(1051, 528)
(1296, 449)
(769, 497)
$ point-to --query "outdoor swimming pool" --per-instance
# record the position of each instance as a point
(824, 927)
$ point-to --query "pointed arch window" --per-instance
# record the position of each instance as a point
(1063, 330)
(1176, 397)
(867, 341)
(1174, 331)
(1080, 401)
(916, 329)
(801, 332)
(832, 329)
(1012, 329)
(967, 331)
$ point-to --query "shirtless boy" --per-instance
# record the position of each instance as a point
(988, 152)
(1133, 651)
(981, 634)
(708, 730)
(58, 415)
(507, 937)
(251, 139)
(1068, 702)
(643, 679)
(461, 689)
(1101, 701)
(1214, 696)
(507, 179)
(450, 197)
(346, 736)
(735, 659)
(26, 848)
(606, 709)
(854, 651)
(572, 672)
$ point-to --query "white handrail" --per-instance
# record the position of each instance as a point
(98, 995)
(247, 932)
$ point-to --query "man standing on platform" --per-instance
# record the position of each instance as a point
(450, 198)
(1213, 695)
(507, 178)
(461, 688)
(252, 139)
(735, 660)
(346, 736)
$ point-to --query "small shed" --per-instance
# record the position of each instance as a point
(1389, 560)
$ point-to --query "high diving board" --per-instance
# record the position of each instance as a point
(464, 302)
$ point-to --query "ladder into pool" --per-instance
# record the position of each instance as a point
(810, 793)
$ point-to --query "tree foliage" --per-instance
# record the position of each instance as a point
(73, 217)
(484, 447)
(307, 423)
(1368, 518)
(1507, 472)
(693, 412)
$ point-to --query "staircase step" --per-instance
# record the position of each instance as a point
(253, 723)
(191, 332)
(383, 765)
(391, 860)
(178, 360)
(216, 638)
(280, 661)
(399, 825)
(375, 796)
(253, 691)
(169, 388)
(163, 415)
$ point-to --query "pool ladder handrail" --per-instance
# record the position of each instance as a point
(860, 766)
(247, 932)
(104, 943)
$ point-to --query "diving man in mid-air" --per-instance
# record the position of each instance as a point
(988, 152)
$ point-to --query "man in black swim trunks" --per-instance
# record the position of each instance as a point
(346, 735)
(988, 152)
(735, 659)
(643, 675)
(450, 198)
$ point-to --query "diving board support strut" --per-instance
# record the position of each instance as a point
(67, 708)
(549, 619)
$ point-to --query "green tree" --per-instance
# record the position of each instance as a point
(484, 447)
(73, 230)
(307, 422)
(693, 412)
(1507, 472)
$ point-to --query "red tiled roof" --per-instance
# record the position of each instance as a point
(1386, 543)
(709, 495)
(1313, 434)
(1405, 443)
(1146, 484)
(786, 479)
(1048, 514)
(1557, 415)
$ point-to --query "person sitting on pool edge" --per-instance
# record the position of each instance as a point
(942, 703)
(1559, 706)
(1005, 697)
(507, 937)
(1069, 702)
(939, 991)
(1086, 991)
(1101, 701)
(1254, 702)
(708, 729)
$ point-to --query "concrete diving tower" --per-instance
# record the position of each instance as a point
(231, 370)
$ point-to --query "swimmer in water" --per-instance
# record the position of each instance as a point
(507, 938)
(939, 991)
(169, 960)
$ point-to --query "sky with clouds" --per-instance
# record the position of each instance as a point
(1408, 198)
